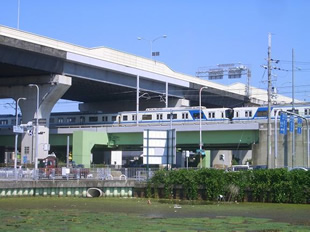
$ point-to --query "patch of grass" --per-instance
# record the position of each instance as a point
(111, 214)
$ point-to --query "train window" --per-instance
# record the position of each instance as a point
(196, 115)
(295, 111)
(237, 114)
(82, 119)
(263, 113)
(60, 120)
(307, 111)
(4, 122)
(211, 115)
(184, 115)
(125, 117)
(133, 117)
(114, 118)
(93, 119)
(147, 117)
(104, 118)
(71, 119)
(52, 120)
(222, 113)
(248, 113)
(174, 116)
(159, 116)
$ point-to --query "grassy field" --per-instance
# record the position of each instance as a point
(118, 214)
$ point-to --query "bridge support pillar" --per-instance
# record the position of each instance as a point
(83, 142)
(51, 89)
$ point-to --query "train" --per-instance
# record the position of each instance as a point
(164, 116)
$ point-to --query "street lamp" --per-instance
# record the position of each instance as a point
(152, 41)
(16, 133)
(200, 133)
(37, 128)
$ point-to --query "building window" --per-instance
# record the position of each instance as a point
(60, 120)
(147, 117)
(26, 150)
(93, 119)
(4, 122)
(82, 119)
(52, 120)
(71, 120)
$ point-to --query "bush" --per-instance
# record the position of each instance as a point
(273, 185)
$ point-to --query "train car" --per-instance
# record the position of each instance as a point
(162, 116)
(79, 118)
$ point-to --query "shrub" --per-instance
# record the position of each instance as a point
(273, 185)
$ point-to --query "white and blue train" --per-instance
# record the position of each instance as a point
(163, 115)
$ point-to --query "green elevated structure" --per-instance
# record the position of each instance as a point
(83, 142)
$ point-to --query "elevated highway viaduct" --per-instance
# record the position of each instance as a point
(100, 79)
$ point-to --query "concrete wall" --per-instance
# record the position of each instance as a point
(284, 158)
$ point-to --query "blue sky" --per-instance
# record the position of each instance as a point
(200, 32)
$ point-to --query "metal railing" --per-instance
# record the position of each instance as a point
(107, 173)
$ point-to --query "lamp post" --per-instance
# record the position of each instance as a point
(152, 41)
(200, 131)
(18, 13)
(37, 128)
(16, 133)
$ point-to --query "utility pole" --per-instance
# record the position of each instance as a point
(269, 103)
(293, 109)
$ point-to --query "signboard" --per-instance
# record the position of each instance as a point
(292, 123)
(234, 73)
(159, 147)
(155, 53)
(215, 74)
(283, 124)
(18, 129)
(24, 159)
(299, 126)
